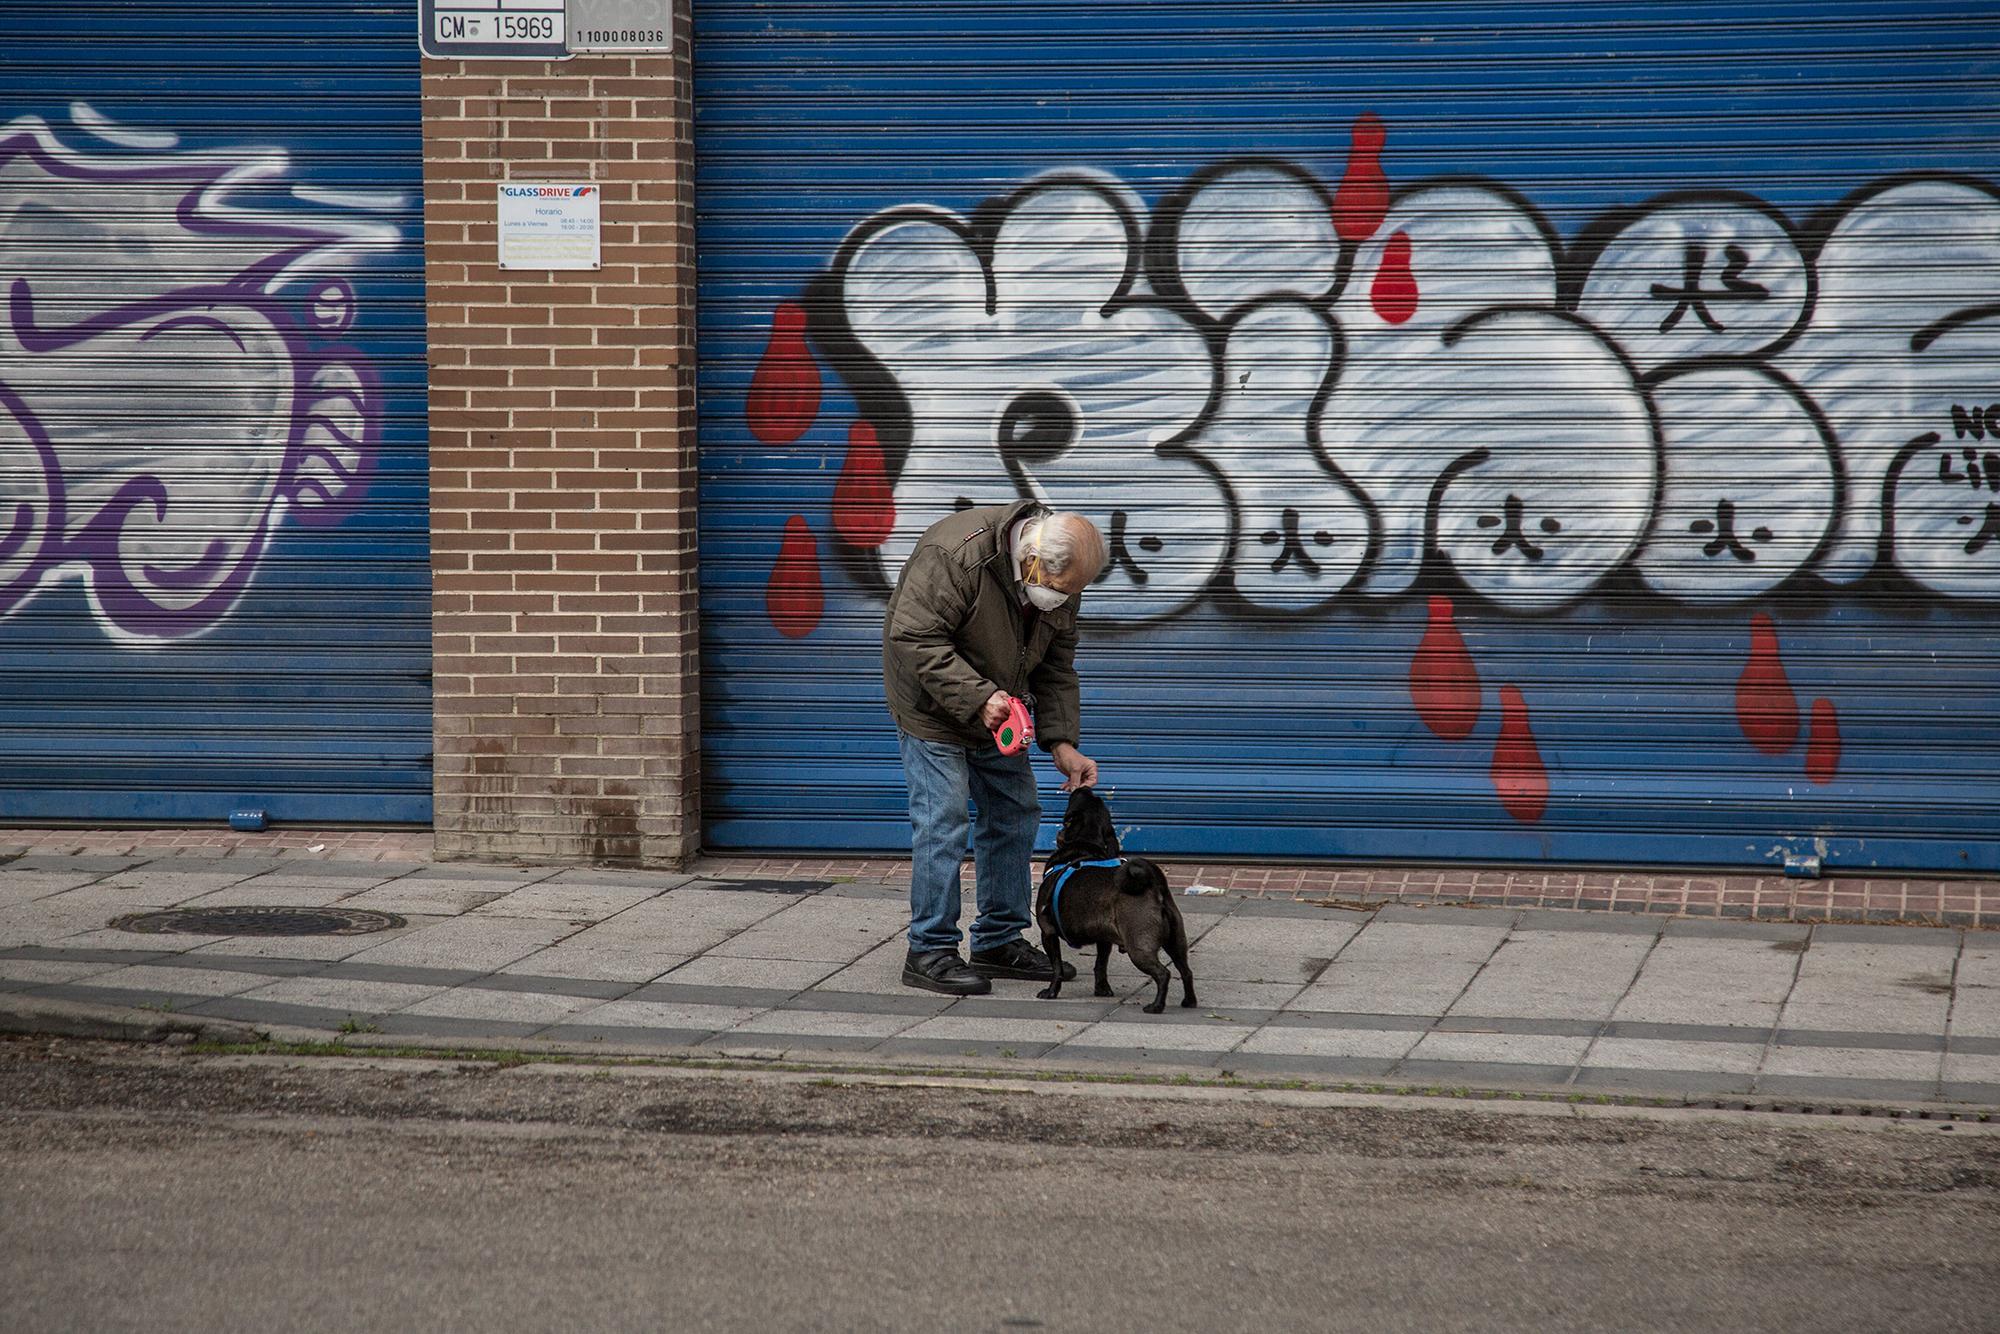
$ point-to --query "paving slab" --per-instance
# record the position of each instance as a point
(1975, 1010)
(1553, 974)
(336, 994)
(147, 888)
(484, 943)
(179, 981)
(1324, 935)
(904, 1045)
(93, 865)
(628, 1013)
(1724, 980)
(1882, 987)
(1230, 995)
(443, 1026)
(590, 988)
(1264, 967)
(1214, 1037)
(657, 881)
(826, 1023)
(1403, 967)
(683, 921)
(570, 958)
(1484, 1074)
(535, 1009)
(568, 901)
(1375, 1044)
(1971, 1068)
(18, 974)
(878, 972)
(719, 970)
(909, 1000)
(1820, 1089)
(786, 1046)
(1501, 1048)
(437, 898)
(837, 931)
(1853, 1063)
(632, 1037)
(1732, 1058)
(17, 886)
(1689, 1084)
(966, 1028)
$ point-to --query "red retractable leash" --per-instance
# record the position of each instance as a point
(1014, 734)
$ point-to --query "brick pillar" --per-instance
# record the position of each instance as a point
(563, 468)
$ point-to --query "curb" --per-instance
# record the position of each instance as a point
(32, 1017)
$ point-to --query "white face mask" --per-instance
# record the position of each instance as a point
(1047, 599)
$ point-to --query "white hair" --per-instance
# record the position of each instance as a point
(1062, 538)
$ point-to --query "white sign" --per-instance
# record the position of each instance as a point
(543, 29)
(621, 25)
(545, 226)
(528, 28)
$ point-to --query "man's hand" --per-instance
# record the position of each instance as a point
(995, 711)
(1078, 769)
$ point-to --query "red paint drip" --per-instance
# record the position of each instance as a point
(1394, 294)
(793, 598)
(1823, 743)
(1444, 684)
(1519, 775)
(864, 506)
(784, 393)
(1362, 200)
(1766, 708)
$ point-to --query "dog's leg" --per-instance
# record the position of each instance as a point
(1052, 946)
(1151, 966)
(1103, 962)
(1177, 950)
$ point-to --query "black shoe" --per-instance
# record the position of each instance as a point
(943, 970)
(1017, 958)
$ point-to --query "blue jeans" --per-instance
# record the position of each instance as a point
(942, 777)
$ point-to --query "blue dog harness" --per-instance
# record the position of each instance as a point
(1055, 893)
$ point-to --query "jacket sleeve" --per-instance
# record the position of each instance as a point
(932, 607)
(1055, 689)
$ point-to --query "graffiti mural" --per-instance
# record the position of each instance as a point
(1290, 397)
(173, 382)
(1288, 394)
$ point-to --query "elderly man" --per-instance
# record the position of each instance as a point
(985, 608)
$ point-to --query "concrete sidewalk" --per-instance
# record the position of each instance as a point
(626, 961)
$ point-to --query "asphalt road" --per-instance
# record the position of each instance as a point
(142, 1188)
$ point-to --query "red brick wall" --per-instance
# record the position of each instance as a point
(563, 467)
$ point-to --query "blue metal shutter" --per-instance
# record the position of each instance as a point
(1541, 433)
(214, 569)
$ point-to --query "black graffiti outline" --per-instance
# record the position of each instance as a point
(1329, 382)
(1829, 441)
(1575, 263)
(882, 402)
(1162, 250)
(1436, 557)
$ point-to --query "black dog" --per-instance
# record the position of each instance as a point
(1092, 896)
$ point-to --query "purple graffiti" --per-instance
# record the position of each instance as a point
(171, 384)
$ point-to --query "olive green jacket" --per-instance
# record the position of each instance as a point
(953, 635)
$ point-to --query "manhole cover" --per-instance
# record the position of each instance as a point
(259, 922)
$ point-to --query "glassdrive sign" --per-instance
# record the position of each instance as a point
(543, 29)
